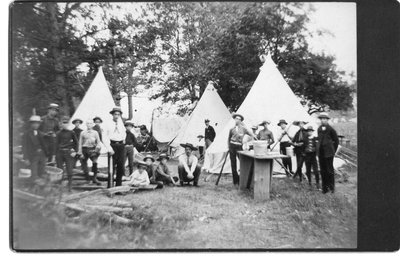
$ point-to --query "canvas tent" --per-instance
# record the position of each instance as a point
(210, 106)
(97, 101)
(270, 98)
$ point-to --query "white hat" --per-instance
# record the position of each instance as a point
(35, 118)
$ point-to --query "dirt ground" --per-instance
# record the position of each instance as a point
(220, 216)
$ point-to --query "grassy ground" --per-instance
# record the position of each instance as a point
(209, 216)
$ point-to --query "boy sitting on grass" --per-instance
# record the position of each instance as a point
(163, 173)
(139, 177)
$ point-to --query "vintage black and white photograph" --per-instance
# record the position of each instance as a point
(183, 125)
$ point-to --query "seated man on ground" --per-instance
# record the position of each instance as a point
(163, 174)
(188, 167)
(151, 170)
(139, 177)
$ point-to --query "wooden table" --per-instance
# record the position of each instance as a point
(256, 171)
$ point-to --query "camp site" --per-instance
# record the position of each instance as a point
(182, 126)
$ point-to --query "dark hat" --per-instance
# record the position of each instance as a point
(75, 120)
(129, 122)
(310, 128)
(143, 127)
(297, 123)
(53, 106)
(141, 163)
(163, 155)
(189, 146)
(200, 136)
(323, 115)
(206, 120)
(148, 156)
(35, 118)
(236, 115)
(254, 127)
(65, 119)
(116, 109)
(97, 118)
(265, 122)
(281, 121)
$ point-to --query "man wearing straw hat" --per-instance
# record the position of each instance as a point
(285, 141)
(163, 173)
(114, 139)
(235, 143)
(328, 143)
(50, 126)
(34, 148)
(265, 134)
(188, 168)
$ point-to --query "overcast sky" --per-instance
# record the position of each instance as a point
(340, 20)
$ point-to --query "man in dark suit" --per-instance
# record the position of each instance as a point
(34, 148)
(209, 134)
(328, 143)
(50, 126)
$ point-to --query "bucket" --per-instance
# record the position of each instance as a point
(260, 147)
(54, 174)
(24, 173)
(289, 151)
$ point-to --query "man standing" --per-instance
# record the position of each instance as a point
(97, 126)
(188, 168)
(50, 126)
(235, 143)
(209, 134)
(143, 140)
(66, 144)
(299, 147)
(265, 134)
(285, 141)
(34, 148)
(328, 143)
(130, 144)
(77, 130)
(114, 139)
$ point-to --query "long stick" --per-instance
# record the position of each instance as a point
(281, 138)
(222, 168)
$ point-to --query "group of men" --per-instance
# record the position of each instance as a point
(307, 148)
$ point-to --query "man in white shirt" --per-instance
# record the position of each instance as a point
(285, 141)
(188, 168)
(140, 176)
(114, 140)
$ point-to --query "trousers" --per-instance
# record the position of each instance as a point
(118, 158)
(287, 162)
(327, 172)
(37, 165)
(88, 153)
(311, 163)
(64, 157)
(233, 155)
(183, 175)
(50, 143)
(129, 154)
(300, 161)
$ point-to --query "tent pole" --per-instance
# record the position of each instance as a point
(222, 168)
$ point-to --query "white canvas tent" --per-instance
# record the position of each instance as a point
(270, 98)
(210, 106)
(97, 101)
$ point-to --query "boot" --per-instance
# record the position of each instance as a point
(94, 170)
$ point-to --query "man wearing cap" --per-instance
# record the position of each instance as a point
(265, 134)
(34, 148)
(143, 140)
(77, 130)
(188, 168)
(310, 150)
(235, 143)
(285, 141)
(163, 173)
(66, 146)
(114, 139)
(130, 144)
(151, 170)
(209, 134)
(298, 143)
(50, 126)
(97, 126)
(328, 143)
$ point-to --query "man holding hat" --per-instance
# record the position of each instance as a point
(66, 148)
(310, 150)
(265, 134)
(298, 143)
(285, 141)
(328, 143)
(50, 126)
(34, 148)
(114, 139)
(130, 144)
(97, 126)
(235, 143)
(188, 168)
(163, 173)
(209, 134)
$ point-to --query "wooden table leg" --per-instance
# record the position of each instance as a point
(262, 179)
(245, 166)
